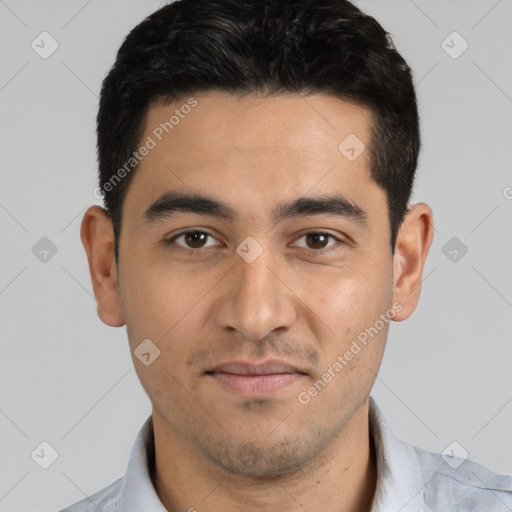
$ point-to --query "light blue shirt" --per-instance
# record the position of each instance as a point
(409, 479)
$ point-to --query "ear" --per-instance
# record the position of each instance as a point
(97, 234)
(411, 249)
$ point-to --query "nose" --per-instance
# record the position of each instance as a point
(257, 300)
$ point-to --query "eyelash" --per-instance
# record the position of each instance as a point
(172, 240)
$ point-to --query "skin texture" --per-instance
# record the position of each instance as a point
(203, 305)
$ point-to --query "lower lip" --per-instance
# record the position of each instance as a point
(255, 385)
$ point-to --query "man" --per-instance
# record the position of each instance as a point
(256, 160)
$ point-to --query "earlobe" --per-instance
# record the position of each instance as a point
(411, 249)
(97, 235)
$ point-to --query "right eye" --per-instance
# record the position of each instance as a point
(192, 240)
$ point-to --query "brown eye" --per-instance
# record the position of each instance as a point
(195, 239)
(318, 241)
(192, 240)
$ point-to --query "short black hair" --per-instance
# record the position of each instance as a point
(270, 46)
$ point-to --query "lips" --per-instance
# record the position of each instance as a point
(266, 368)
(255, 380)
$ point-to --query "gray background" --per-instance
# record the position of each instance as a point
(67, 379)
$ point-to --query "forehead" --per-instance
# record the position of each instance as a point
(314, 124)
(254, 148)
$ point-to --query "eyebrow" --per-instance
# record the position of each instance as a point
(171, 203)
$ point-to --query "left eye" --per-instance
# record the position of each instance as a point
(318, 240)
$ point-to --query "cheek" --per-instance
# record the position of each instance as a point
(351, 306)
(347, 302)
(171, 308)
(159, 300)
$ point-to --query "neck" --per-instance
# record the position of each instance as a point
(342, 477)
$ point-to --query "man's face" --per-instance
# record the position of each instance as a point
(299, 291)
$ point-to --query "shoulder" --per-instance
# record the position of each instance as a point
(106, 500)
(466, 483)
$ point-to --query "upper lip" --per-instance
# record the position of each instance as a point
(269, 367)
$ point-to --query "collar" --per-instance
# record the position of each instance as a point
(400, 482)
(138, 492)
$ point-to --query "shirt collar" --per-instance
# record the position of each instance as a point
(400, 482)
(138, 492)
